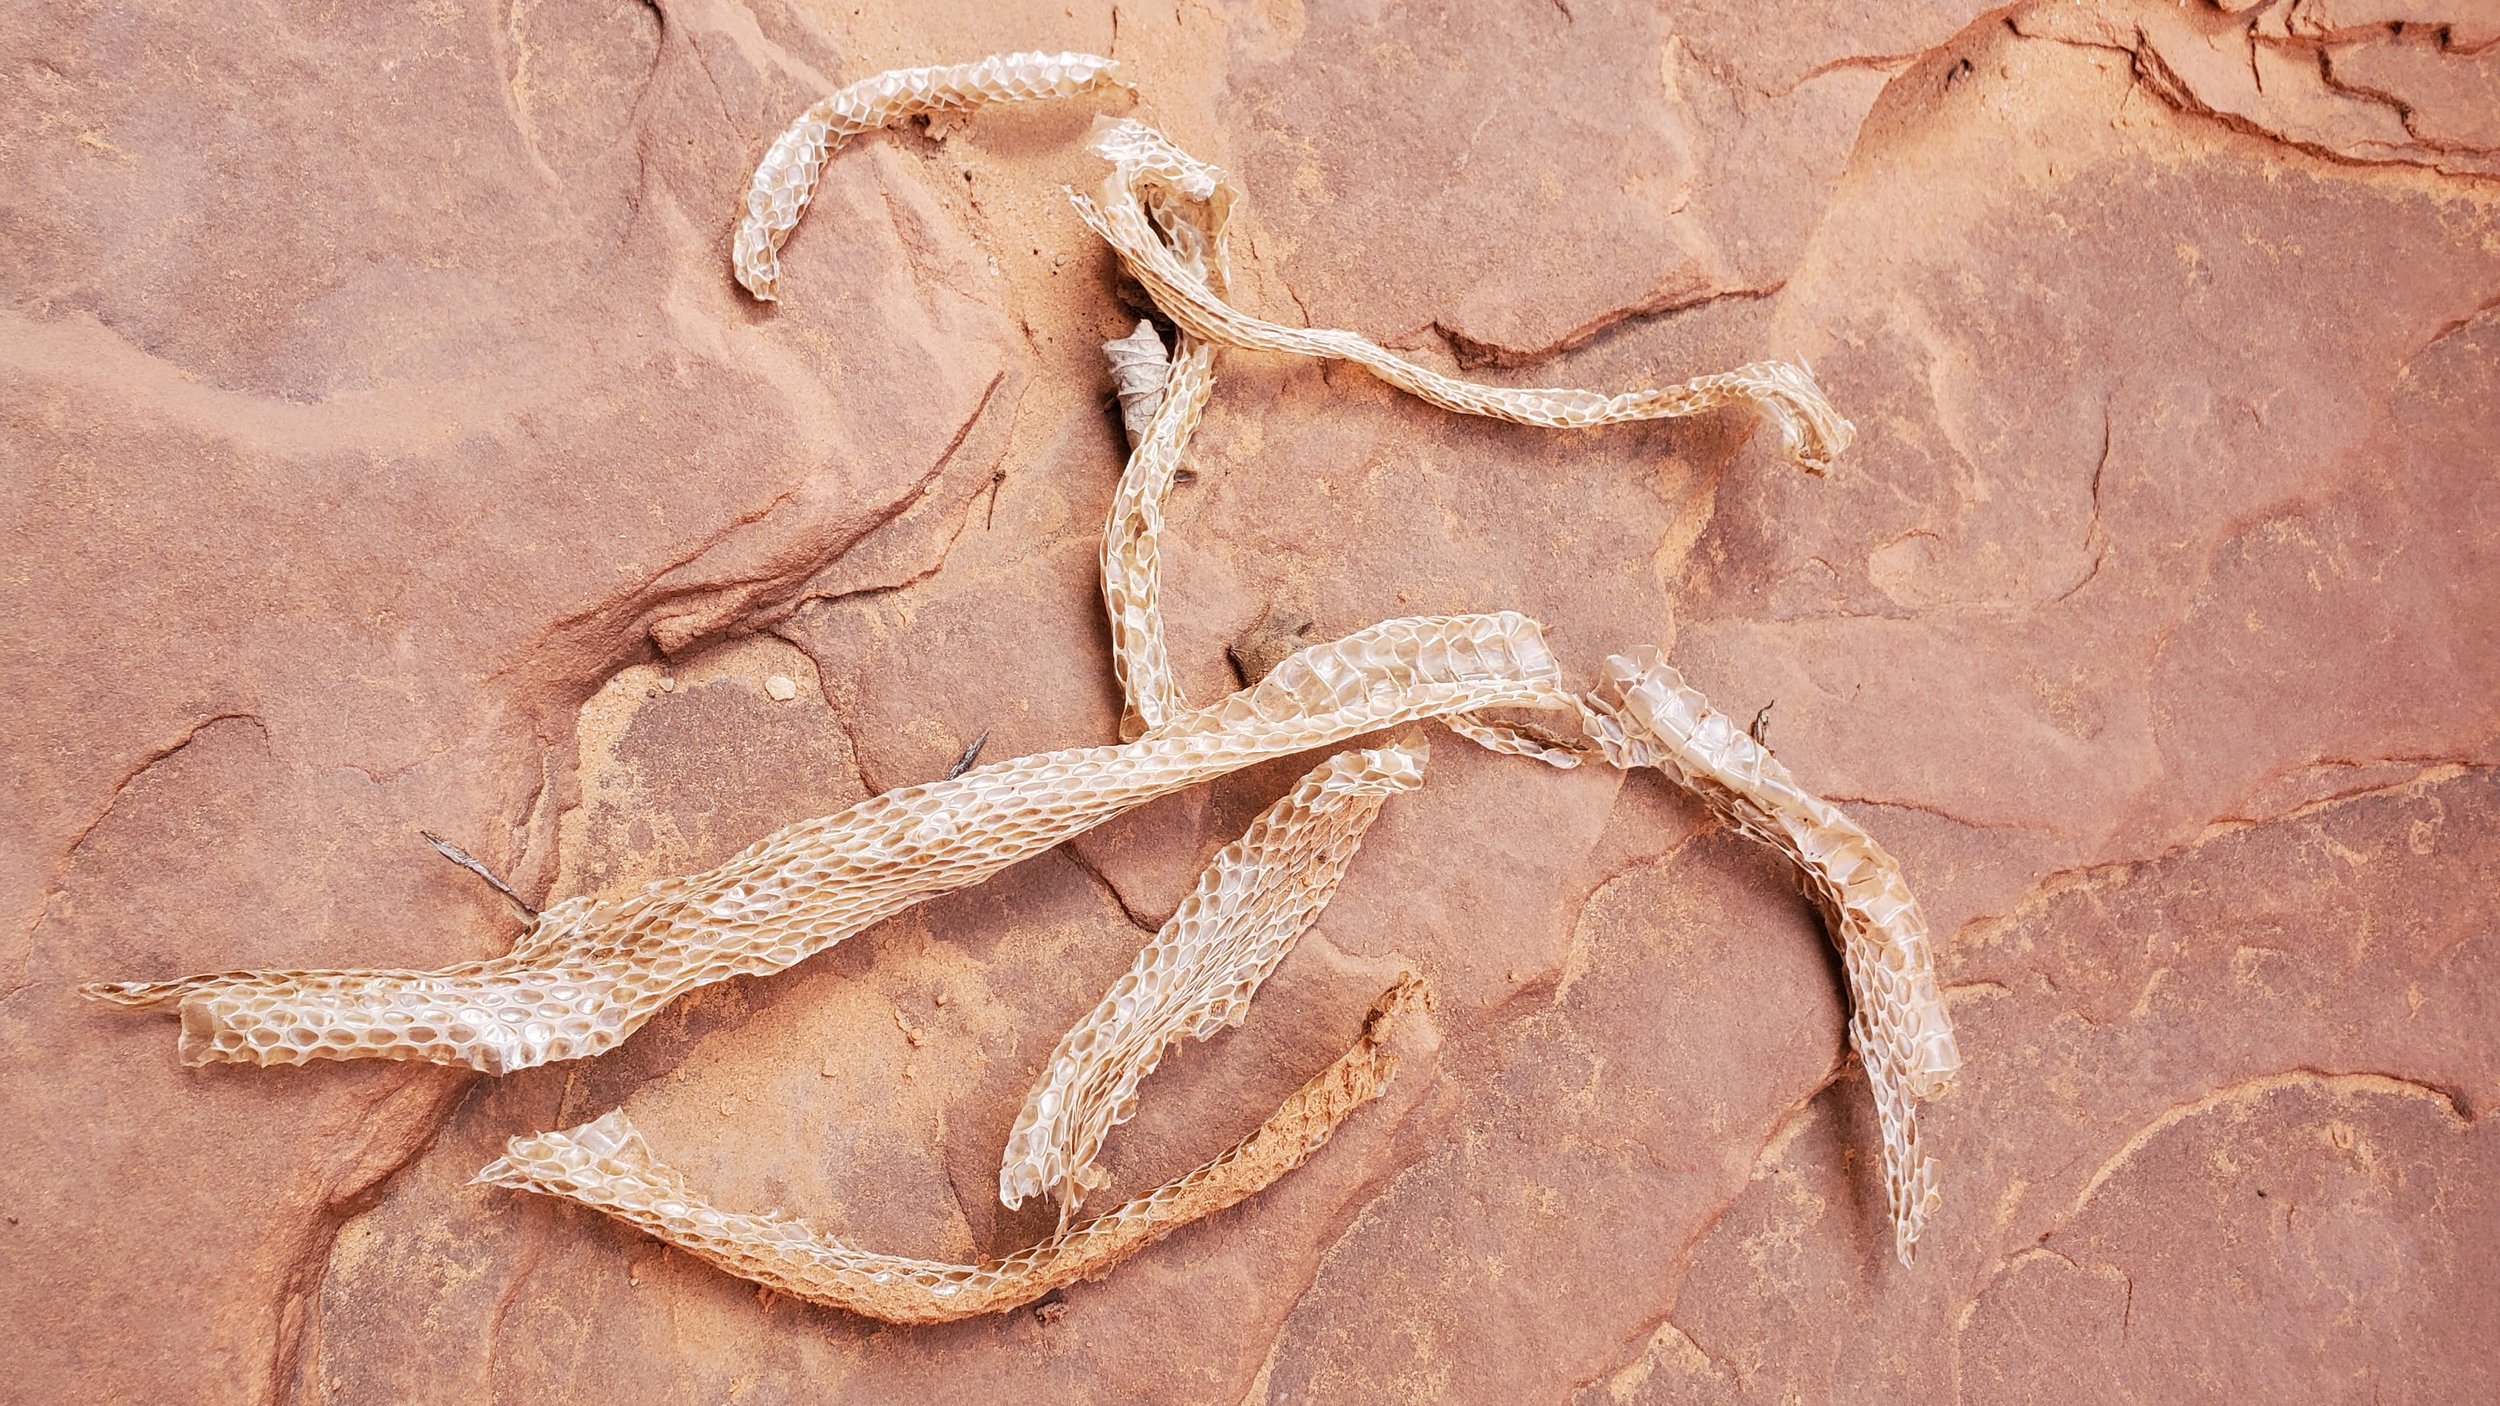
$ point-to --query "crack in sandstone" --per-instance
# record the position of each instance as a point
(1144, 923)
(2095, 536)
(534, 1249)
(1784, 1127)
(1622, 1381)
(2154, 74)
(785, 571)
(1938, 812)
(963, 522)
(1474, 352)
(69, 855)
(2058, 883)
(2433, 771)
(2449, 329)
(1874, 63)
(354, 1188)
(2447, 1101)
(1349, 1212)
(2405, 111)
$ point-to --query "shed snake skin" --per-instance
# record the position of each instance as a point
(591, 970)
(1642, 713)
(785, 181)
(1126, 215)
(1199, 973)
(606, 1164)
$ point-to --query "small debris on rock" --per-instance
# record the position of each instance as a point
(1276, 633)
(780, 688)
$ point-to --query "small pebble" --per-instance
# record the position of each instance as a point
(780, 689)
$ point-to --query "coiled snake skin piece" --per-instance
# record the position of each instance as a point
(786, 179)
(1812, 433)
(606, 1165)
(1643, 714)
(1139, 369)
(590, 972)
(1202, 968)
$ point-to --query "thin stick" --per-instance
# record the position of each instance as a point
(971, 754)
(477, 866)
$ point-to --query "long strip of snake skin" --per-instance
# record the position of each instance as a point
(1132, 533)
(607, 1166)
(589, 972)
(1812, 433)
(785, 181)
(1187, 205)
(1642, 713)
(1198, 975)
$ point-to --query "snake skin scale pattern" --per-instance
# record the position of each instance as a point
(606, 1164)
(1198, 974)
(591, 969)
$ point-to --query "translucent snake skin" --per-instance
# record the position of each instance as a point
(1643, 714)
(1188, 205)
(1125, 215)
(1202, 968)
(590, 970)
(1132, 534)
(785, 181)
(605, 1164)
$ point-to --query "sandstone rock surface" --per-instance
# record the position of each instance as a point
(388, 449)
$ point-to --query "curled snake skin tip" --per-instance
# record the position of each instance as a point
(608, 1166)
(785, 180)
(1139, 368)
